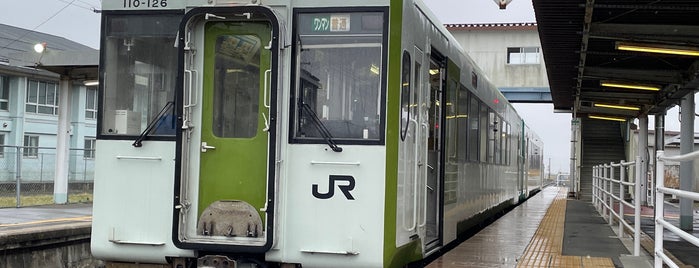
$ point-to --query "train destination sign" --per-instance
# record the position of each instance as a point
(332, 23)
(314, 24)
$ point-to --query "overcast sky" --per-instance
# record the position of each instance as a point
(75, 21)
(481, 11)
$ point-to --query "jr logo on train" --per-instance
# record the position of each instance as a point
(331, 187)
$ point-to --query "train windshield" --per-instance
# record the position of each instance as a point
(339, 68)
(139, 67)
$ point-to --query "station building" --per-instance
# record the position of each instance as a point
(510, 54)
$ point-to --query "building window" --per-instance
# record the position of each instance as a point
(89, 148)
(523, 55)
(4, 92)
(31, 146)
(91, 103)
(42, 98)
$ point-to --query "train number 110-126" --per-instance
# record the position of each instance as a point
(144, 3)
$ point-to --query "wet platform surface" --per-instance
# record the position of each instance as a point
(586, 233)
(14, 219)
(502, 243)
(545, 231)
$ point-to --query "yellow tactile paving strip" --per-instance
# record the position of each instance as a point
(546, 246)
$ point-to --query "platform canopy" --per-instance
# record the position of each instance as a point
(642, 54)
(77, 65)
(18, 47)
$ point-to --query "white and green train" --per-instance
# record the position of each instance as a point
(296, 133)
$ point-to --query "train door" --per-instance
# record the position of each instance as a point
(233, 136)
(411, 156)
(434, 152)
(419, 108)
(520, 161)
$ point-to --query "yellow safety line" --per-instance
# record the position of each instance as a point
(83, 218)
(546, 246)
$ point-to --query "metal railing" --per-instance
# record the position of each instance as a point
(661, 191)
(604, 197)
(27, 175)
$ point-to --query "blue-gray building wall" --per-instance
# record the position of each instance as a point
(15, 123)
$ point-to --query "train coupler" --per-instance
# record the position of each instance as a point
(216, 261)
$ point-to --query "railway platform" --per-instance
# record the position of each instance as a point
(548, 230)
(46, 236)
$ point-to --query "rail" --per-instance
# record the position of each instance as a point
(661, 191)
(604, 197)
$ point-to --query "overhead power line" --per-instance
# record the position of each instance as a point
(83, 5)
(40, 24)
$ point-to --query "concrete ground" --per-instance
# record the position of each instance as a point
(18, 218)
(586, 233)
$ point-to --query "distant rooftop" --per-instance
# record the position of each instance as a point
(15, 41)
(493, 26)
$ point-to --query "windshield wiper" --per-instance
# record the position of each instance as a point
(321, 128)
(152, 124)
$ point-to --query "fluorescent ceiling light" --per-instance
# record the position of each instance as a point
(607, 118)
(657, 48)
(91, 83)
(374, 69)
(434, 71)
(614, 106)
(629, 85)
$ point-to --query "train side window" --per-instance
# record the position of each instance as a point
(339, 61)
(236, 92)
(405, 94)
(451, 142)
(141, 64)
(417, 87)
(508, 143)
(502, 137)
(462, 118)
(494, 153)
(483, 147)
(473, 127)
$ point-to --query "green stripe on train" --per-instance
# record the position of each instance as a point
(394, 257)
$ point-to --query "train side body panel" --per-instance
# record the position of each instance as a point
(332, 207)
(132, 208)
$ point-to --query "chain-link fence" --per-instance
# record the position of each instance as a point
(27, 175)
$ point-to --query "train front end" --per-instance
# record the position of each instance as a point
(242, 133)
